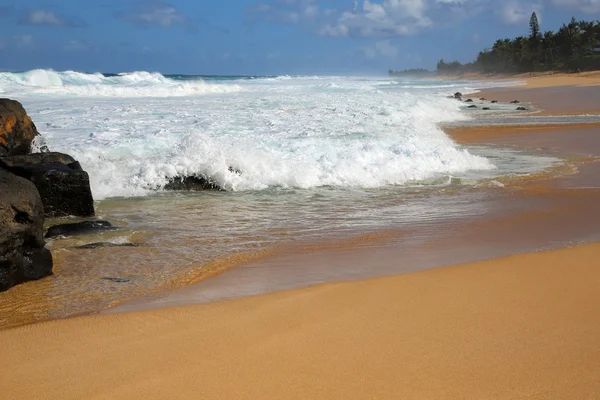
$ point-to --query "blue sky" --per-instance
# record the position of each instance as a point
(264, 36)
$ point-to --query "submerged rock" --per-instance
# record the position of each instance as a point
(23, 256)
(116, 280)
(485, 108)
(63, 185)
(458, 95)
(472, 106)
(515, 102)
(468, 100)
(521, 109)
(17, 130)
(192, 183)
(494, 101)
(106, 244)
(79, 228)
(482, 98)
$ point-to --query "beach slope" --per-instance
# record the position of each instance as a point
(521, 327)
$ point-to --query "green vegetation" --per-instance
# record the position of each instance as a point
(409, 72)
(574, 47)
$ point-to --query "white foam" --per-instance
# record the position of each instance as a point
(292, 132)
(133, 84)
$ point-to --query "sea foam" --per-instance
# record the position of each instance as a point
(131, 84)
(293, 132)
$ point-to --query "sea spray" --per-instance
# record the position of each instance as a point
(288, 132)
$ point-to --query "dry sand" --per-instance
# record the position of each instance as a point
(537, 79)
(523, 327)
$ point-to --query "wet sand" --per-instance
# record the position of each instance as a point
(541, 212)
(522, 327)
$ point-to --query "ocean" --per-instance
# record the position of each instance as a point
(302, 161)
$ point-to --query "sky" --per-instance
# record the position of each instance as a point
(264, 37)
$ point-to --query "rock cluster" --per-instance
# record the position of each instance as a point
(32, 187)
(23, 256)
(17, 130)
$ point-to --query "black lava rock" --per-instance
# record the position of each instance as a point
(63, 186)
(79, 228)
(23, 256)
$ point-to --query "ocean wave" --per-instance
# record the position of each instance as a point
(130, 84)
(299, 135)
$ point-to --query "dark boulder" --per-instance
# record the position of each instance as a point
(472, 106)
(17, 130)
(485, 108)
(63, 185)
(482, 98)
(494, 101)
(468, 100)
(23, 256)
(79, 228)
(457, 95)
(521, 109)
(515, 102)
(192, 183)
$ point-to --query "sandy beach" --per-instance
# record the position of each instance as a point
(523, 326)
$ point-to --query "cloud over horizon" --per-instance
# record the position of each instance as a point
(50, 18)
(155, 13)
(397, 18)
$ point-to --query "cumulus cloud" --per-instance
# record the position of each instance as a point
(366, 18)
(387, 19)
(383, 19)
(148, 13)
(155, 13)
(50, 18)
(286, 11)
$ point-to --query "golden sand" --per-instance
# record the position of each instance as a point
(522, 327)
(537, 79)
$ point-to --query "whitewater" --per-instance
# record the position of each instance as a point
(134, 131)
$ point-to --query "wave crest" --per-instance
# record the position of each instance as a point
(130, 84)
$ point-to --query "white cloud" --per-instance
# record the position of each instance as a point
(76, 45)
(387, 19)
(288, 11)
(17, 41)
(41, 17)
(382, 19)
(157, 13)
(382, 48)
(587, 6)
(50, 18)
(519, 12)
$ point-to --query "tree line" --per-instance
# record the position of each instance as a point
(410, 72)
(574, 47)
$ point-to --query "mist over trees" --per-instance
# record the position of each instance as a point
(574, 47)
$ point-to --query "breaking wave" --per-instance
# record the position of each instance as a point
(130, 84)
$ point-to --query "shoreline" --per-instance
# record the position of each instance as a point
(521, 197)
(516, 326)
(523, 326)
(284, 266)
